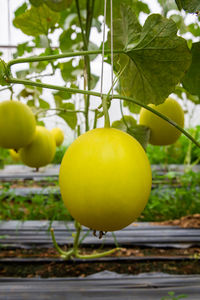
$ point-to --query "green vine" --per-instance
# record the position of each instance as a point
(118, 97)
(73, 252)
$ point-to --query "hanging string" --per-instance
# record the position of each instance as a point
(9, 29)
(111, 40)
(102, 63)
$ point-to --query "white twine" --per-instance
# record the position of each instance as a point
(102, 63)
(103, 46)
(111, 29)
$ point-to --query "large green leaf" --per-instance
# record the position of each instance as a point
(36, 20)
(191, 80)
(126, 29)
(191, 6)
(156, 64)
(136, 5)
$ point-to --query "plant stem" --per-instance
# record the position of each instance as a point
(95, 119)
(117, 97)
(60, 251)
(105, 111)
(87, 79)
(98, 255)
(81, 24)
(58, 56)
(59, 110)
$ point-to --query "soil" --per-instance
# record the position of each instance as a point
(65, 269)
(73, 268)
(191, 221)
(124, 252)
(29, 184)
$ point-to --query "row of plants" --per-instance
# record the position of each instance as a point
(165, 202)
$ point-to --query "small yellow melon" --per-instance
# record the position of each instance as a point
(40, 152)
(58, 136)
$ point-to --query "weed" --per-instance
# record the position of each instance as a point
(173, 297)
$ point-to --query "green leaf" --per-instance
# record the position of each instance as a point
(139, 6)
(61, 95)
(40, 123)
(30, 91)
(126, 29)
(141, 134)
(194, 29)
(191, 80)
(36, 2)
(36, 20)
(22, 74)
(133, 108)
(127, 121)
(69, 117)
(43, 104)
(179, 20)
(66, 42)
(167, 6)
(156, 64)
(69, 72)
(58, 5)
(178, 3)
(191, 6)
(21, 49)
(93, 81)
(20, 10)
(134, 4)
(92, 47)
(31, 103)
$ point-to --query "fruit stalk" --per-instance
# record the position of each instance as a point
(105, 111)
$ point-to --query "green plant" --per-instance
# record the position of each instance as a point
(172, 296)
(168, 202)
(60, 151)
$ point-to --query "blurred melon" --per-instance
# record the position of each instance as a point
(15, 155)
(40, 152)
(58, 136)
(17, 125)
